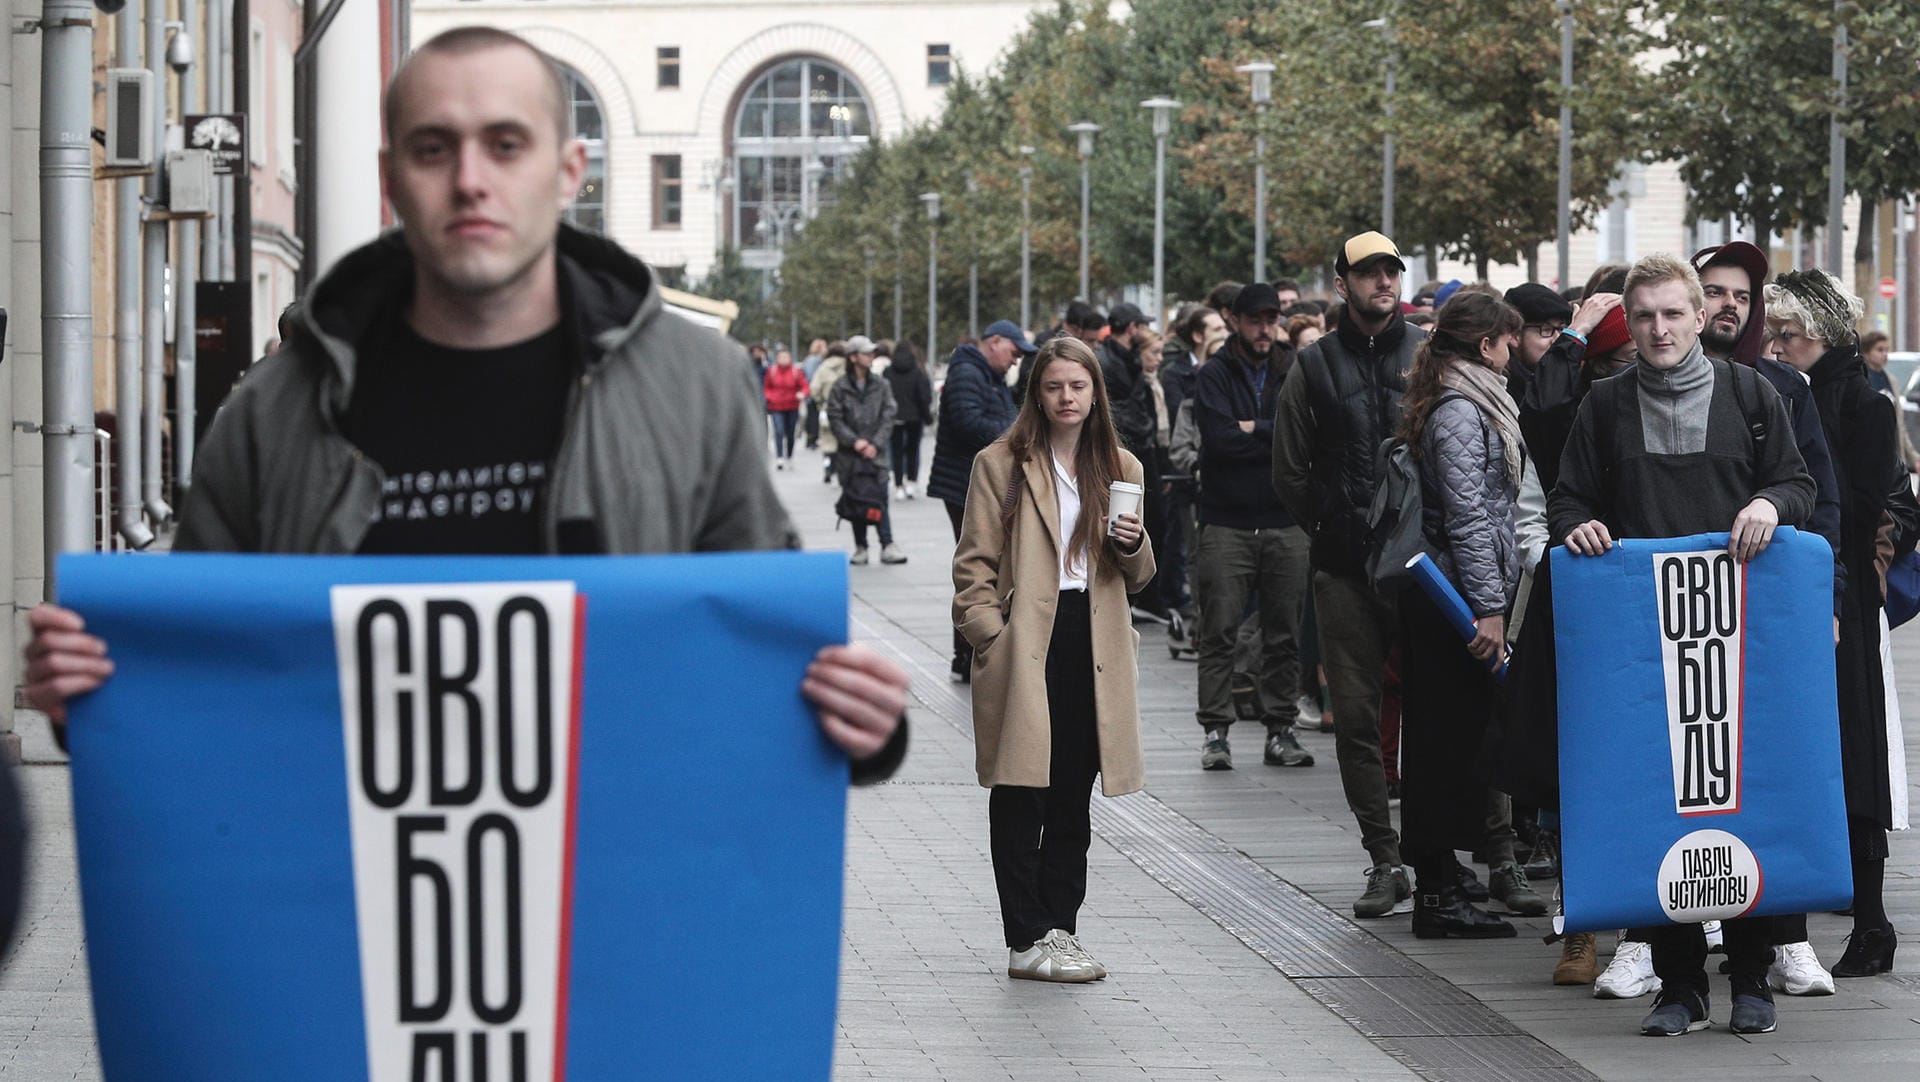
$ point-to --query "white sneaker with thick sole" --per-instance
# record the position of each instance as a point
(1797, 971)
(1716, 939)
(1629, 975)
(1051, 960)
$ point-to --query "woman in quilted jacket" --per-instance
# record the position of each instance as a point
(1464, 430)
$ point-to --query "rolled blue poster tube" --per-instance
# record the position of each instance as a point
(1442, 593)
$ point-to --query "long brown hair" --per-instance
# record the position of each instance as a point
(1463, 322)
(1096, 461)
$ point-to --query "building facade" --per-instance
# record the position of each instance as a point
(718, 123)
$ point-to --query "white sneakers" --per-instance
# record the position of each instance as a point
(1716, 939)
(1058, 957)
(1796, 970)
(1629, 975)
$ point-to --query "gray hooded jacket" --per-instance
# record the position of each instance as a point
(662, 450)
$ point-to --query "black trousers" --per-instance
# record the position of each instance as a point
(1446, 703)
(1039, 837)
(904, 450)
(1680, 954)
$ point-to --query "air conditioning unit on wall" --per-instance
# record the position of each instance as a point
(130, 105)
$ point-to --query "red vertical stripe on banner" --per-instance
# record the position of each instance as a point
(566, 870)
(1740, 716)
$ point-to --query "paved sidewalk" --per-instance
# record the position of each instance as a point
(1292, 822)
(1219, 900)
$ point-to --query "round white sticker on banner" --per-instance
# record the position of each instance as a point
(1708, 875)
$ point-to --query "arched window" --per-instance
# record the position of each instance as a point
(799, 126)
(589, 209)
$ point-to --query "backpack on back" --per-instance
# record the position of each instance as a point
(1396, 530)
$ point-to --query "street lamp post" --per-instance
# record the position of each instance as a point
(1026, 237)
(1163, 108)
(1565, 221)
(973, 271)
(932, 200)
(1262, 75)
(866, 323)
(899, 303)
(1386, 147)
(1837, 146)
(1085, 130)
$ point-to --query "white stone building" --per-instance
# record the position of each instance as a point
(712, 121)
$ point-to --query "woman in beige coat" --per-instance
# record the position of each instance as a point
(1040, 590)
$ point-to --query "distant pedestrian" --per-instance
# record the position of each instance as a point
(975, 409)
(816, 353)
(784, 389)
(820, 386)
(860, 410)
(1874, 351)
(1040, 590)
(913, 400)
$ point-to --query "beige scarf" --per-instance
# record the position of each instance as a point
(1487, 389)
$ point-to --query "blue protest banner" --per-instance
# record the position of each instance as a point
(428, 819)
(1699, 732)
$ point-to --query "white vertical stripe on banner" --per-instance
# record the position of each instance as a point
(1896, 739)
(457, 710)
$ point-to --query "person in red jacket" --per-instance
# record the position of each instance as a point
(785, 388)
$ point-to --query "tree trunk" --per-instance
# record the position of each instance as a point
(1480, 265)
(1533, 263)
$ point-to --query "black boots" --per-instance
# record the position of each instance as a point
(1868, 953)
(1447, 912)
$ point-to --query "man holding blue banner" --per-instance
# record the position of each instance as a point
(1682, 445)
(489, 380)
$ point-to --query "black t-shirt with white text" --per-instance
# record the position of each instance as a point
(466, 439)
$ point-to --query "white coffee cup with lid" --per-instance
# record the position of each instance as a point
(1123, 499)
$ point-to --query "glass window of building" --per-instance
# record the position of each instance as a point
(939, 65)
(666, 191)
(589, 209)
(668, 63)
(800, 124)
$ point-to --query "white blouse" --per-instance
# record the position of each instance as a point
(1073, 565)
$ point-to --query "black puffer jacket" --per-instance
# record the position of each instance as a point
(912, 393)
(1467, 505)
(975, 408)
(1341, 400)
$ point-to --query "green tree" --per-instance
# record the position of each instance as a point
(1475, 123)
(1745, 105)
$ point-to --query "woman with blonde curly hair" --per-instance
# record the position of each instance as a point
(1812, 316)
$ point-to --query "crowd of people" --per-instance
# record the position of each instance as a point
(1665, 399)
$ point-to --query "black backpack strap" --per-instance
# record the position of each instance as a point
(1738, 374)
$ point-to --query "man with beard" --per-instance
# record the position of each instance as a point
(1248, 544)
(1343, 399)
